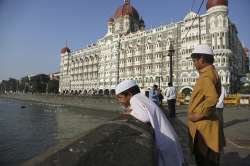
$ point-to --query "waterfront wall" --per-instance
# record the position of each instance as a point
(104, 103)
(124, 142)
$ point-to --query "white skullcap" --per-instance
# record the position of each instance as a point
(203, 49)
(124, 85)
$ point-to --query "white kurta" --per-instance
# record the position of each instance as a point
(223, 94)
(169, 149)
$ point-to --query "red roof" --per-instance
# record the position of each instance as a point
(126, 9)
(65, 49)
(212, 3)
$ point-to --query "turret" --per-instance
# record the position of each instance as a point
(141, 25)
(110, 26)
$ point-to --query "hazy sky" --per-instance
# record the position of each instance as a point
(32, 32)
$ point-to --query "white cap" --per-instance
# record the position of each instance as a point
(203, 49)
(124, 85)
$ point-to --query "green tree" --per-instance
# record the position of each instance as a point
(13, 84)
(24, 84)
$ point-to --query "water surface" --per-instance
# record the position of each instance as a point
(28, 128)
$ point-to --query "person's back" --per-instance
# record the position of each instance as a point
(171, 99)
(166, 138)
(142, 108)
(171, 93)
(153, 95)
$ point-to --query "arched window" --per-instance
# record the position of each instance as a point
(220, 21)
(151, 80)
(212, 22)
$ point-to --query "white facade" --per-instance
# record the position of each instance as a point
(128, 51)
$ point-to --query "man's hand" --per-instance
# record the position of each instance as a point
(194, 117)
(127, 112)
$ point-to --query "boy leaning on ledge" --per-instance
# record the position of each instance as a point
(142, 108)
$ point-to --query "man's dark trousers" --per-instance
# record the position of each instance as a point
(171, 108)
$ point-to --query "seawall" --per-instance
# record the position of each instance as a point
(121, 142)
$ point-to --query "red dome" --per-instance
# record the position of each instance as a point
(126, 9)
(212, 3)
(65, 49)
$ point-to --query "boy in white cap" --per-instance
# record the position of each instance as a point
(139, 106)
(203, 123)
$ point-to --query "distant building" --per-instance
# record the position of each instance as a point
(54, 76)
(129, 51)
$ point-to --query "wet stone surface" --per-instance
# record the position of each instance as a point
(122, 142)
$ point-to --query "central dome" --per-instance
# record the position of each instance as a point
(126, 9)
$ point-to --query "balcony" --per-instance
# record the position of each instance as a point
(148, 51)
(159, 49)
(137, 53)
(148, 61)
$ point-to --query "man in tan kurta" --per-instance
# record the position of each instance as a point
(203, 122)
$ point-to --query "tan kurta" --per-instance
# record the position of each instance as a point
(203, 101)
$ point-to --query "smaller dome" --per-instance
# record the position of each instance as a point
(212, 3)
(65, 49)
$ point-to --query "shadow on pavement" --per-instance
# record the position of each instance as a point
(235, 121)
(181, 114)
(233, 159)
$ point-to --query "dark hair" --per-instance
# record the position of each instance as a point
(170, 84)
(207, 58)
(133, 90)
(155, 86)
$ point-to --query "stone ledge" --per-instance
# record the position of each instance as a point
(121, 142)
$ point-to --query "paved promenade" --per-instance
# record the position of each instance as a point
(237, 132)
